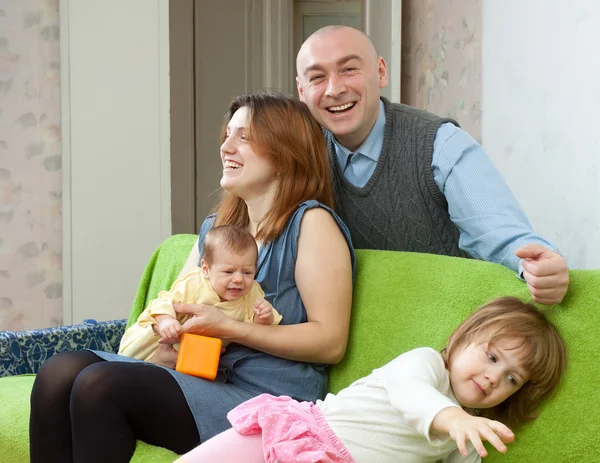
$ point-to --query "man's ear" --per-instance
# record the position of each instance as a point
(300, 90)
(382, 72)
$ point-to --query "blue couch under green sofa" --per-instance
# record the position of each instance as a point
(402, 301)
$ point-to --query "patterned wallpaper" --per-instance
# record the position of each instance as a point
(30, 165)
(441, 59)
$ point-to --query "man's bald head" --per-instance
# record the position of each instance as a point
(343, 32)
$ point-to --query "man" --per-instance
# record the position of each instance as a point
(407, 180)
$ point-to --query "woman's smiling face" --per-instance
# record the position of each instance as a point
(246, 174)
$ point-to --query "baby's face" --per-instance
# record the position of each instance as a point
(231, 275)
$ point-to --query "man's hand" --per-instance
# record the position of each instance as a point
(263, 312)
(545, 272)
(462, 427)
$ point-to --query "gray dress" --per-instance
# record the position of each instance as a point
(244, 372)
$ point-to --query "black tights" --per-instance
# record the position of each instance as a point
(84, 409)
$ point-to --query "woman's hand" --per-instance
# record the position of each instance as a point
(206, 320)
(164, 356)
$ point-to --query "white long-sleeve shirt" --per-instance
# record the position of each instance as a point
(386, 416)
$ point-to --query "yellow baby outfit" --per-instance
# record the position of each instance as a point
(140, 341)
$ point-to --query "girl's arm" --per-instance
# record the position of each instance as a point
(417, 384)
(324, 279)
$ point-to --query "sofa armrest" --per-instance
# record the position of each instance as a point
(24, 352)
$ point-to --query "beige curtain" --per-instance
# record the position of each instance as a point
(30, 165)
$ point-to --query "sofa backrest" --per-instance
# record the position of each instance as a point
(161, 271)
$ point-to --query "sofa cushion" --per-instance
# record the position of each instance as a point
(24, 352)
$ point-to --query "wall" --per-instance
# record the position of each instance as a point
(541, 96)
(117, 185)
(441, 59)
(30, 166)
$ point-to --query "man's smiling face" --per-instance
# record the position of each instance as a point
(339, 79)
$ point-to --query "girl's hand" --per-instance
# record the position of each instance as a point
(462, 427)
(206, 320)
(476, 429)
(263, 312)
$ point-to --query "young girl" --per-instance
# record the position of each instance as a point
(423, 406)
(225, 279)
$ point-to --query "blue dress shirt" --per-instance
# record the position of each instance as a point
(491, 223)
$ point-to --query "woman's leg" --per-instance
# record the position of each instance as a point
(227, 447)
(115, 403)
(50, 420)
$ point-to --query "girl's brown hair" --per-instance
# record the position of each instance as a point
(282, 130)
(541, 349)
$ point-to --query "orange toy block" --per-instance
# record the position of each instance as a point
(198, 355)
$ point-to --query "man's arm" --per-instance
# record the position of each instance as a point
(492, 225)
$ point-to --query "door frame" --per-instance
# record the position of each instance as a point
(183, 139)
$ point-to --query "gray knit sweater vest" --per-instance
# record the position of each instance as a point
(400, 208)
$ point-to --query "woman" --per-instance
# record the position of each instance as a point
(92, 406)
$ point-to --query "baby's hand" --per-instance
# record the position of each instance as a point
(168, 327)
(476, 429)
(263, 312)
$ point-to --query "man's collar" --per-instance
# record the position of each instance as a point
(371, 147)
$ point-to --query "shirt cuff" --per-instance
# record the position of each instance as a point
(436, 440)
(520, 271)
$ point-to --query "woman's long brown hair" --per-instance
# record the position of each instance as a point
(282, 130)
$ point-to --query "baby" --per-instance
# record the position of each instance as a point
(225, 279)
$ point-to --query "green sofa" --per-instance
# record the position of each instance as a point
(402, 301)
